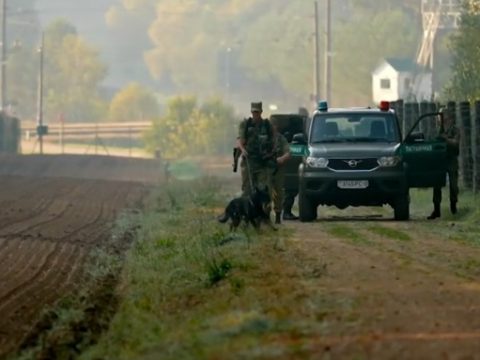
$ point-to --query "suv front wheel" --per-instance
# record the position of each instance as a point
(401, 208)
(307, 209)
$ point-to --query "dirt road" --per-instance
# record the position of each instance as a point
(385, 290)
(53, 211)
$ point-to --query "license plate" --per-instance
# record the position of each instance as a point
(352, 184)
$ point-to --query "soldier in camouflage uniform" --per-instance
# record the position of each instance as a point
(282, 155)
(255, 141)
(451, 134)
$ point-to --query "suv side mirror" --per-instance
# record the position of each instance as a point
(299, 139)
(417, 137)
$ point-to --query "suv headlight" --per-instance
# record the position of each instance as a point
(389, 161)
(319, 163)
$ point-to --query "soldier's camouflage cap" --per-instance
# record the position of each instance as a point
(257, 106)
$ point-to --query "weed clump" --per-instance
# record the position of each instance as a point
(218, 271)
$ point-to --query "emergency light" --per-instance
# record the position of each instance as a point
(384, 105)
(323, 106)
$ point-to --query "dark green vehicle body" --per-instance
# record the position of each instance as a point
(288, 126)
(357, 157)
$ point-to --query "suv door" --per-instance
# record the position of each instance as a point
(424, 154)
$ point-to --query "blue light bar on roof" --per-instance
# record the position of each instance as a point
(323, 105)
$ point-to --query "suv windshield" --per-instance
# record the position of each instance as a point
(354, 127)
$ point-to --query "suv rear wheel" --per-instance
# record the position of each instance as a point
(307, 209)
(401, 208)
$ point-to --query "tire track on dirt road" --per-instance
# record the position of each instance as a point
(440, 254)
(376, 305)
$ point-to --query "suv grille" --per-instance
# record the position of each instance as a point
(352, 164)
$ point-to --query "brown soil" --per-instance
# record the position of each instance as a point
(53, 211)
(385, 298)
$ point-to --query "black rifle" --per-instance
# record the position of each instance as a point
(236, 156)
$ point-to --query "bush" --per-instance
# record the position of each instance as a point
(189, 129)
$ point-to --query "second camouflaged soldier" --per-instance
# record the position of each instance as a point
(450, 133)
(255, 141)
(282, 155)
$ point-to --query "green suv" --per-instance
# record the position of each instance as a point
(357, 157)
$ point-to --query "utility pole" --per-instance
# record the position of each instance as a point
(328, 50)
(3, 56)
(316, 59)
(40, 127)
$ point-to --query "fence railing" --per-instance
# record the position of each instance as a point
(82, 131)
(467, 119)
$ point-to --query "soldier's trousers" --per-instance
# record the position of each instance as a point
(260, 176)
(452, 172)
(278, 190)
(289, 200)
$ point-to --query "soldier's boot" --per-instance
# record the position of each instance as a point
(436, 213)
(453, 207)
(278, 218)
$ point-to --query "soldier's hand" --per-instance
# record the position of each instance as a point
(244, 152)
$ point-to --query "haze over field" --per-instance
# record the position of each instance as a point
(241, 49)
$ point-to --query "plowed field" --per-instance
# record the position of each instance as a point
(53, 211)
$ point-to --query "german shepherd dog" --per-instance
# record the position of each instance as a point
(253, 209)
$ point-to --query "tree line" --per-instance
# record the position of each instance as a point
(231, 49)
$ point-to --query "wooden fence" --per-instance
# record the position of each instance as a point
(467, 119)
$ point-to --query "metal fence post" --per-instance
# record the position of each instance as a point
(408, 117)
(400, 114)
(466, 144)
(424, 125)
(432, 125)
(476, 149)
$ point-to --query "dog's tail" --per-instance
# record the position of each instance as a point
(223, 218)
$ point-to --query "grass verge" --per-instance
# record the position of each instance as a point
(189, 289)
(463, 227)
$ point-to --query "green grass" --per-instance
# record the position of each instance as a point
(463, 227)
(469, 268)
(190, 289)
(347, 233)
(390, 233)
